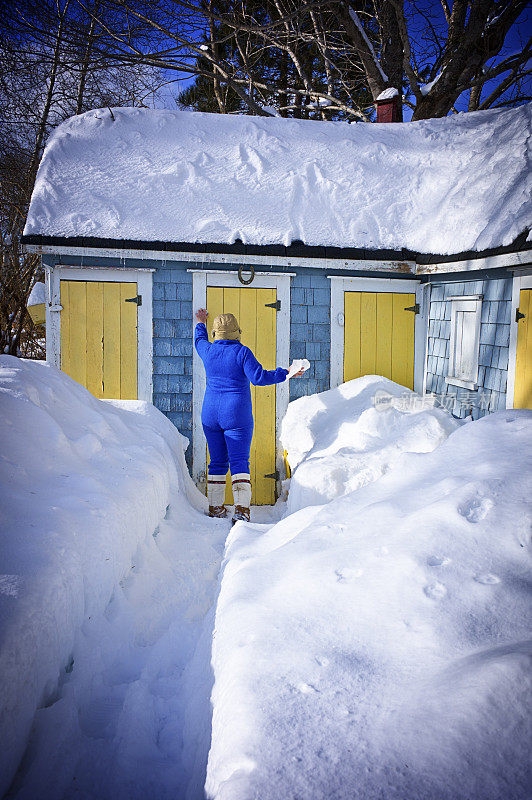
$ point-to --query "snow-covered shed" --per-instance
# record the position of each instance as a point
(396, 249)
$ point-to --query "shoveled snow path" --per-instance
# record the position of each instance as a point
(132, 719)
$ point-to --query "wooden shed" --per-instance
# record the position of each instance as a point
(395, 249)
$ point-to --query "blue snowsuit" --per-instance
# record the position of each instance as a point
(226, 414)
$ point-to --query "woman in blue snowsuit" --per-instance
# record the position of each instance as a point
(226, 414)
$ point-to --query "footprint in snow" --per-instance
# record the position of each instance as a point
(487, 578)
(306, 688)
(438, 561)
(476, 509)
(347, 573)
(435, 590)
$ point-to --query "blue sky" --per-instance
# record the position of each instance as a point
(515, 39)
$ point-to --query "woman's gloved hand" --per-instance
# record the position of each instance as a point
(201, 315)
(298, 367)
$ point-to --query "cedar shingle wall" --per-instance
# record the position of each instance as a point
(493, 350)
(172, 346)
(310, 331)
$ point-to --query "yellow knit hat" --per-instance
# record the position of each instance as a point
(225, 326)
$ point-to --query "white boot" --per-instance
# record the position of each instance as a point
(241, 495)
(216, 495)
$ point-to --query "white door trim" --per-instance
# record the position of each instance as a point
(200, 281)
(339, 285)
(143, 279)
(518, 283)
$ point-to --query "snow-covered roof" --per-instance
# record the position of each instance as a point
(388, 94)
(438, 186)
(37, 294)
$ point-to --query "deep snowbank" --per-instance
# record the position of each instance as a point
(340, 440)
(434, 186)
(83, 483)
(379, 646)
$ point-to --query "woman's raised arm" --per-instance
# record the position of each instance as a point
(201, 337)
(255, 373)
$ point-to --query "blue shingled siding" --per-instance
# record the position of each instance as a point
(310, 331)
(493, 350)
(310, 337)
(172, 345)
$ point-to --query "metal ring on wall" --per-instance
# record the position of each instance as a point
(251, 269)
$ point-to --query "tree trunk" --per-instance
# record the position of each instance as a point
(85, 64)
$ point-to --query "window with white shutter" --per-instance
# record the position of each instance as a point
(465, 338)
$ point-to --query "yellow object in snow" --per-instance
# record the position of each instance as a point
(288, 471)
(37, 313)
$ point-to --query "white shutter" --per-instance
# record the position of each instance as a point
(465, 337)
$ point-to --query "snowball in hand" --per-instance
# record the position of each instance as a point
(297, 365)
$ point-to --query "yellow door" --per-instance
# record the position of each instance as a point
(523, 358)
(99, 337)
(259, 333)
(379, 336)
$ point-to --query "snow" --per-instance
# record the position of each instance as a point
(321, 102)
(378, 645)
(435, 186)
(270, 110)
(426, 87)
(37, 294)
(109, 579)
(373, 643)
(388, 94)
(297, 365)
(342, 439)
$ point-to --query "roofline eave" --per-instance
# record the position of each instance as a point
(403, 259)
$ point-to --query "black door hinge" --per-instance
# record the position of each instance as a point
(137, 300)
(414, 308)
(276, 305)
(275, 475)
(519, 315)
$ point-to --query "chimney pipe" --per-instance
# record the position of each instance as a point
(388, 108)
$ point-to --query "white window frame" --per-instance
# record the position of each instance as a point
(472, 303)
(340, 285)
(519, 282)
(143, 279)
(201, 279)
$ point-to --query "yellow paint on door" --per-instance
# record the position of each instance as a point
(99, 337)
(94, 338)
(368, 333)
(259, 333)
(383, 340)
(128, 342)
(78, 332)
(403, 323)
(379, 336)
(523, 358)
(111, 342)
